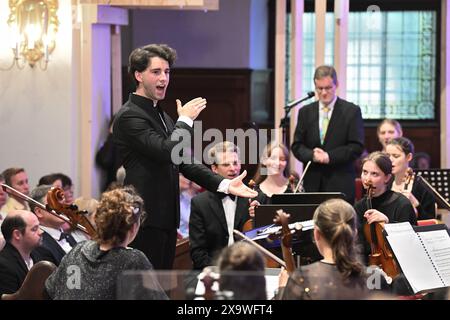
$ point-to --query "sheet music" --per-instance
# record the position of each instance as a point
(396, 228)
(438, 246)
(306, 225)
(413, 259)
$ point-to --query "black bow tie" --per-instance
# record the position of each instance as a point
(68, 237)
(223, 195)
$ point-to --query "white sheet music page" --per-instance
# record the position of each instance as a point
(438, 245)
(411, 255)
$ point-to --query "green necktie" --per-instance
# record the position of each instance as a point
(325, 121)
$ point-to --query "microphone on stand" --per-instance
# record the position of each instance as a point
(292, 104)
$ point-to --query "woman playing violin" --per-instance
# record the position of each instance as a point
(272, 174)
(386, 205)
(401, 152)
(340, 274)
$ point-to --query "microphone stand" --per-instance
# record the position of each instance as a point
(284, 123)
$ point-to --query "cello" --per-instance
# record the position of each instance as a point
(380, 255)
(56, 202)
(68, 213)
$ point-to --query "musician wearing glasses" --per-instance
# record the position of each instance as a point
(330, 134)
(90, 271)
(214, 215)
(55, 241)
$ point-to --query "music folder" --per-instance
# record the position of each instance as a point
(423, 254)
(305, 197)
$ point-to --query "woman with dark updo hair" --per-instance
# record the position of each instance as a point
(90, 270)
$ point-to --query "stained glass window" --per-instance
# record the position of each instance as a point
(391, 66)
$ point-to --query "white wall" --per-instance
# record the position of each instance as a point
(40, 115)
(38, 118)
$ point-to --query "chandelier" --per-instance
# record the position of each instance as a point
(33, 25)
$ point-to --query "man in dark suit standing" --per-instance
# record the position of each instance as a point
(22, 234)
(145, 137)
(330, 134)
(214, 215)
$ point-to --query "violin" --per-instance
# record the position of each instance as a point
(282, 218)
(408, 179)
(380, 255)
(293, 180)
(56, 202)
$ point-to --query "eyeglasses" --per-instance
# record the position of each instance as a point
(327, 89)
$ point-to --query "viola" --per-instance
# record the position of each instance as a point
(56, 202)
(282, 218)
(380, 254)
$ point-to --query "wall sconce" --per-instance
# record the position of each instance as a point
(33, 25)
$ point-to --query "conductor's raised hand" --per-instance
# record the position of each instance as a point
(238, 188)
(191, 109)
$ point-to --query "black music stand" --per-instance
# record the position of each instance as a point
(306, 197)
(303, 245)
(437, 181)
(265, 213)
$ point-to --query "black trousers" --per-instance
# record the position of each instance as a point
(158, 245)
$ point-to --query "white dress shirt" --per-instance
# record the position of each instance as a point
(229, 206)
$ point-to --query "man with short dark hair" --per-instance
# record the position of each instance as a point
(16, 178)
(145, 137)
(330, 134)
(22, 234)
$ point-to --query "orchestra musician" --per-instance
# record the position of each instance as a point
(340, 274)
(55, 241)
(387, 130)
(22, 234)
(272, 175)
(90, 271)
(387, 206)
(241, 268)
(401, 152)
(215, 215)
